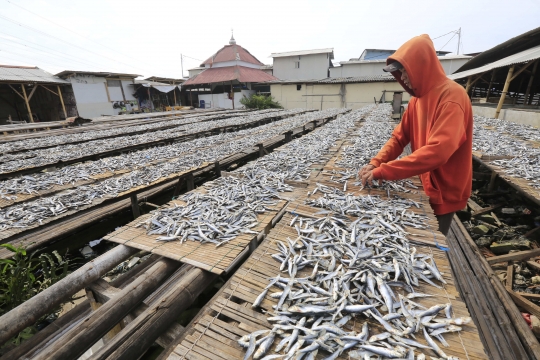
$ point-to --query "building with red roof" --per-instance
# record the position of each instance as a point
(228, 76)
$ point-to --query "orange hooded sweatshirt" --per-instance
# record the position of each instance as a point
(438, 125)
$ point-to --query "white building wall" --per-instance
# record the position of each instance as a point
(314, 66)
(324, 96)
(91, 95)
(222, 100)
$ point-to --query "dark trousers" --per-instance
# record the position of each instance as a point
(444, 222)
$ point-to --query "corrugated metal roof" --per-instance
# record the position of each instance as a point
(357, 79)
(230, 73)
(304, 52)
(66, 73)
(442, 57)
(27, 74)
(340, 80)
(519, 58)
(232, 53)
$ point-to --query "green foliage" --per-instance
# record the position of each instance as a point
(24, 276)
(260, 102)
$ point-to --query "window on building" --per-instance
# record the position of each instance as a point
(298, 87)
(297, 64)
(113, 83)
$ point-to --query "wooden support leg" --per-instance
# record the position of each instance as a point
(491, 185)
(190, 182)
(304, 129)
(288, 136)
(262, 150)
(135, 206)
(177, 188)
(313, 124)
(217, 169)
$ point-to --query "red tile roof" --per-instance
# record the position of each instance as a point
(230, 73)
(232, 53)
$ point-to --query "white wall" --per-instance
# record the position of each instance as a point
(514, 115)
(324, 96)
(222, 100)
(312, 67)
(91, 95)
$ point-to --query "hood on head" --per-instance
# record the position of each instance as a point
(419, 58)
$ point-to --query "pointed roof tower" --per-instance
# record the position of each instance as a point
(232, 41)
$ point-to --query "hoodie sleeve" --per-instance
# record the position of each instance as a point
(394, 147)
(446, 136)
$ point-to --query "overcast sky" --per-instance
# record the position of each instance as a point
(147, 37)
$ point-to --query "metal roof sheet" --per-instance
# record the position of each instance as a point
(519, 58)
(66, 73)
(304, 52)
(339, 80)
(441, 57)
(27, 74)
(230, 73)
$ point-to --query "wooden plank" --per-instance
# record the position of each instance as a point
(516, 256)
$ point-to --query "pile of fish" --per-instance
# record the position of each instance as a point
(54, 140)
(51, 156)
(35, 212)
(370, 138)
(34, 183)
(504, 138)
(228, 208)
(338, 272)
(293, 161)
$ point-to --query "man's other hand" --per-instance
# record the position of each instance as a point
(364, 170)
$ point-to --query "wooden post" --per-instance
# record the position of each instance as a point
(288, 136)
(491, 185)
(468, 86)
(140, 334)
(177, 187)
(135, 206)
(505, 90)
(174, 92)
(516, 94)
(314, 124)
(62, 101)
(217, 169)
(529, 85)
(30, 117)
(232, 95)
(261, 149)
(190, 182)
(43, 303)
(490, 84)
(73, 343)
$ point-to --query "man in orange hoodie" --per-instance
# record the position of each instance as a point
(437, 123)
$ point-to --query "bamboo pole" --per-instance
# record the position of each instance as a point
(140, 334)
(529, 85)
(62, 101)
(505, 90)
(43, 303)
(73, 343)
(468, 86)
(490, 84)
(30, 117)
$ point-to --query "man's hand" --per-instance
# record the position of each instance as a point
(364, 170)
(367, 178)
